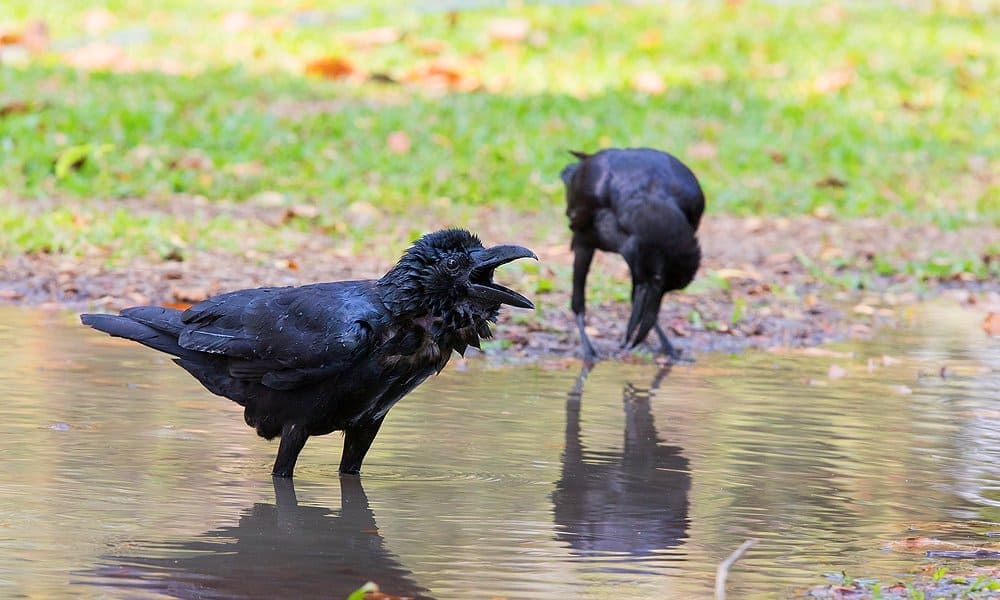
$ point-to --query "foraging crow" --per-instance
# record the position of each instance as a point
(645, 205)
(333, 356)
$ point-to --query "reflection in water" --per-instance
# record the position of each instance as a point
(635, 502)
(276, 551)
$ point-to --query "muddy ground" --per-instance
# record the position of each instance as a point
(775, 282)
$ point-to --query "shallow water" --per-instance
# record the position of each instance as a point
(123, 478)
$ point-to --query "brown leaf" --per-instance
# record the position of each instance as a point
(831, 182)
(509, 30)
(442, 73)
(398, 142)
(649, 82)
(991, 324)
(13, 108)
(189, 294)
(331, 67)
(777, 158)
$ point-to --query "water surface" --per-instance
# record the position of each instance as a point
(123, 478)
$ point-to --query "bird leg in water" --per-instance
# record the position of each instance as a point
(665, 346)
(293, 438)
(589, 354)
(357, 441)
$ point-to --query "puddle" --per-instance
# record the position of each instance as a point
(123, 478)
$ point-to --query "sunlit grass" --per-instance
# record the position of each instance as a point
(786, 109)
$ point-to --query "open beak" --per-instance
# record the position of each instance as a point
(487, 260)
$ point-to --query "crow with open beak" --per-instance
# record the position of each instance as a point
(310, 360)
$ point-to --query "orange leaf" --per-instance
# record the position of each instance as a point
(331, 67)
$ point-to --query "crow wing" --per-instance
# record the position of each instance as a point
(286, 337)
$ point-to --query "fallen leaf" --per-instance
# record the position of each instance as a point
(100, 56)
(777, 158)
(833, 80)
(13, 108)
(509, 30)
(398, 142)
(430, 46)
(702, 151)
(331, 67)
(649, 82)
(650, 39)
(831, 182)
(863, 309)
(370, 38)
(189, 294)
(97, 20)
(727, 273)
(34, 37)
(442, 73)
(836, 372)
(991, 324)
(237, 21)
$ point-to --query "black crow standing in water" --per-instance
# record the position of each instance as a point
(645, 205)
(319, 358)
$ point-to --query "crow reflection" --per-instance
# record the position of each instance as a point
(276, 551)
(634, 502)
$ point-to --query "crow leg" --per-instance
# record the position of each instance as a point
(293, 438)
(357, 441)
(582, 257)
(589, 354)
(665, 346)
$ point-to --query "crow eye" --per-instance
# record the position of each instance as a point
(451, 265)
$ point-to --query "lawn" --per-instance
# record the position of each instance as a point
(352, 114)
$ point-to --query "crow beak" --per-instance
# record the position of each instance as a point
(481, 278)
(645, 310)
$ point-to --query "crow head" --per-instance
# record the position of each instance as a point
(448, 275)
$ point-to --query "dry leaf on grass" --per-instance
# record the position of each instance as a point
(509, 30)
(649, 82)
(370, 38)
(331, 67)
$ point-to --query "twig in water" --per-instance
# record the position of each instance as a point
(723, 571)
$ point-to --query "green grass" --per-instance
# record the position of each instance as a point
(224, 114)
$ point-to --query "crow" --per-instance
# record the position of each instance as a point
(645, 205)
(310, 360)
